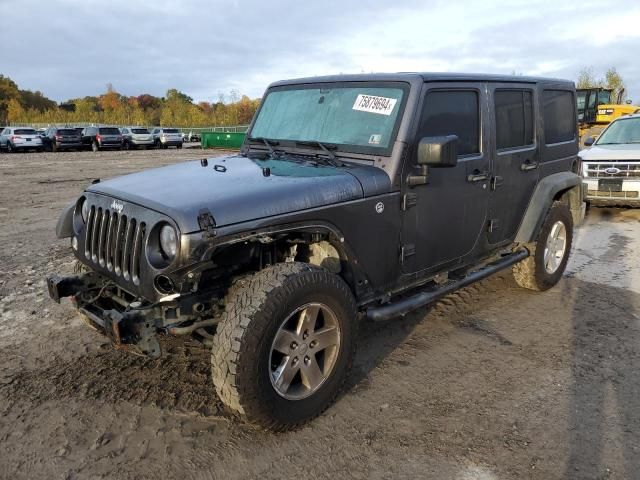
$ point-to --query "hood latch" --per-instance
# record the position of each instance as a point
(207, 223)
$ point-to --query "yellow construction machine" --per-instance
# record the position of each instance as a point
(597, 108)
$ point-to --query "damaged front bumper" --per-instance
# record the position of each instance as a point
(128, 322)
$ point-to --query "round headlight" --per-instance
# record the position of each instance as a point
(84, 210)
(168, 241)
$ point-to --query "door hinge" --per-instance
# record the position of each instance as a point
(407, 250)
(496, 182)
(409, 200)
(494, 224)
(207, 223)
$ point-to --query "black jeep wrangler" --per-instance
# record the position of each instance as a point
(353, 197)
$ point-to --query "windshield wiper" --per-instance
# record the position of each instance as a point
(268, 142)
(327, 147)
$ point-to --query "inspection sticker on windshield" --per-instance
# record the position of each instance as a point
(375, 139)
(373, 104)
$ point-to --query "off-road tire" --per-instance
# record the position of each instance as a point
(530, 273)
(255, 308)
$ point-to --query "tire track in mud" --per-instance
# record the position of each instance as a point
(181, 380)
(178, 382)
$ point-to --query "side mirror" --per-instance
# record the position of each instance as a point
(438, 151)
(589, 141)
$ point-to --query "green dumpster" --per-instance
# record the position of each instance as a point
(221, 140)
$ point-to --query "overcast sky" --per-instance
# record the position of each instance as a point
(72, 48)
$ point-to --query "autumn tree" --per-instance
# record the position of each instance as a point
(15, 112)
(612, 80)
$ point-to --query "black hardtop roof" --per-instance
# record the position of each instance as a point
(424, 77)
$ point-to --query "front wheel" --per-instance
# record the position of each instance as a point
(284, 345)
(550, 252)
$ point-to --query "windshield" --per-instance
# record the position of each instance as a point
(24, 131)
(67, 131)
(171, 130)
(621, 131)
(139, 130)
(604, 97)
(109, 131)
(363, 117)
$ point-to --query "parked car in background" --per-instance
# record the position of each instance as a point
(167, 137)
(56, 139)
(15, 139)
(98, 138)
(611, 167)
(191, 137)
(136, 137)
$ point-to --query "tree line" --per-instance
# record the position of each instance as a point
(174, 109)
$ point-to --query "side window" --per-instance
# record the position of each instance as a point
(454, 112)
(559, 117)
(514, 118)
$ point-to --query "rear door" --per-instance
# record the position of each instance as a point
(515, 158)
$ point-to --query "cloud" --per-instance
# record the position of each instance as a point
(203, 48)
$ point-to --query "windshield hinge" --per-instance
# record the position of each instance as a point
(407, 250)
(207, 223)
(409, 200)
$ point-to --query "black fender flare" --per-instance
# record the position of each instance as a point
(64, 227)
(568, 185)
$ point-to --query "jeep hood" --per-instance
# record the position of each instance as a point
(238, 189)
(611, 153)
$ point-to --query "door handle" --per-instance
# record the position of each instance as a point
(528, 165)
(478, 176)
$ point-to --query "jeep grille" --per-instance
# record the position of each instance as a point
(115, 242)
(627, 170)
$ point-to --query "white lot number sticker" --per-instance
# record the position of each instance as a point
(373, 104)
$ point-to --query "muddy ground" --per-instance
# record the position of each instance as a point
(493, 382)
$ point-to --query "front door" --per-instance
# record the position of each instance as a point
(445, 218)
(515, 158)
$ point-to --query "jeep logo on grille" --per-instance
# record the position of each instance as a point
(117, 206)
(612, 170)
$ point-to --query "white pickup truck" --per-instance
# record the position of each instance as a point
(611, 164)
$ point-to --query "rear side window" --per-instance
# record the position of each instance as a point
(24, 131)
(453, 113)
(559, 117)
(109, 131)
(514, 118)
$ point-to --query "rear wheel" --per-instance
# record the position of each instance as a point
(285, 344)
(94, 146)
(10, 148)
(550, 252)
(179, 145)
